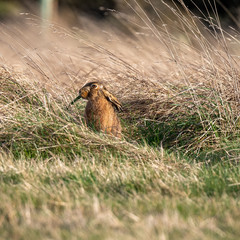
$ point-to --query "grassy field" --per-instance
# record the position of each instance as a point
(174, 175)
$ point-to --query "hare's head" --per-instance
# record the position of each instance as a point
(96, 88)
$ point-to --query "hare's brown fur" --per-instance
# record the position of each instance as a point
(100, 112)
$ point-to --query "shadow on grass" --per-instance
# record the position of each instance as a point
(170, 133)
(187, 136)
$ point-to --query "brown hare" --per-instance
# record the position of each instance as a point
(100, 109)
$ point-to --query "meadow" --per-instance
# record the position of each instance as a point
(175, 174)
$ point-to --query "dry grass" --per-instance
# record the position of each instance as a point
(178, 83)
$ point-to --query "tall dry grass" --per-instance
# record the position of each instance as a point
(178, 83)
(172, 73)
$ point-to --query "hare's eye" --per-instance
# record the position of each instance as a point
(94, 86)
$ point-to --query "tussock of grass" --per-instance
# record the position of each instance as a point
(175, 174)
(37, 126)
(53, 167)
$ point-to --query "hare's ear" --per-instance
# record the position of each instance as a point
(112, 99)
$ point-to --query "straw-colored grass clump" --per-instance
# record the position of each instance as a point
(174, 173)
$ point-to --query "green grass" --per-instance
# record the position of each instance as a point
(116, 199)
(61, 180)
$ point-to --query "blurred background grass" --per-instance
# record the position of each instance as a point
(69, 10)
